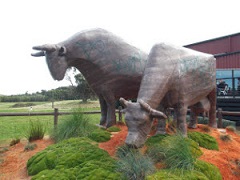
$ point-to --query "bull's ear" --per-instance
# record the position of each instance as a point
(124, 102)
(157, 114)
(62, 51)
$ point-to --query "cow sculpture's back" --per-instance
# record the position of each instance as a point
(174, 77)
(106, 61)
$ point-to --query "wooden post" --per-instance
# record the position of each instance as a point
(55, 117)
(120, 113)
(219, 116)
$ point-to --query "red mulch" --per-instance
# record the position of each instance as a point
(227, 159)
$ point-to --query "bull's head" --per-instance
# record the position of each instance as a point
(138, 117)
(55, 58)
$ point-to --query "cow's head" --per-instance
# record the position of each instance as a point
(55, 58)
(138, 117)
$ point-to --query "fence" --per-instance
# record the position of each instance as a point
(56, 113)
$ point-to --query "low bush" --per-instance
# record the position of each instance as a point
(206, 128)
(114, 129)
(204, 140)
(35, 130)
(100, 135)
(201, 170)
(231, 128)
(14, 141)
(30, 147)
(74, 158)
(225, 137)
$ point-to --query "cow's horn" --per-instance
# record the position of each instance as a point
(151, 111)
(123, 102)
(38, 54)
(46, 47)
(144, 105)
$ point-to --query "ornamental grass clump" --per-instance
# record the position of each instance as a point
(35, 130)
(132, 164)
(177, 153)
(78, 125)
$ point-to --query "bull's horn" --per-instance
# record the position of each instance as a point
(123, 102)
(152, 112)
(38, 54)
(46, 47)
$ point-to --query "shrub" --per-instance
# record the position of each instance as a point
(204, 140)
(14, 141)
(114, 129)
(132, 164)
(100, 135)
(231, 128)
(30, 147)
(74, 158)
(209, 170)
(202, 171)
(225, 137)
(206, 128)
(35, 131)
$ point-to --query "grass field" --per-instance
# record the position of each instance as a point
(14, 126)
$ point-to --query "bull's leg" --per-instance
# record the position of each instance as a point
(212, 113)
(193, 119)
(103, 106)
(181, 118)
(161, 127)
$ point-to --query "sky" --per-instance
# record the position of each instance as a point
(142, 23)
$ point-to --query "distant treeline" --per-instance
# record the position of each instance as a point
(81, 91)
(61, 93)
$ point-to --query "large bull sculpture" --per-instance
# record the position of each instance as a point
(174, 77)
(105, 60)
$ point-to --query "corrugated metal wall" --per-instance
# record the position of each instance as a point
(228, 45)
(228, 62)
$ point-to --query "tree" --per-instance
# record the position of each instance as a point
(83, 88)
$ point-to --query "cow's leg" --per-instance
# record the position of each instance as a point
(181, 118)
(103, 106)
(111, 116)
(161, 126)
(193, 119)
(212, 113)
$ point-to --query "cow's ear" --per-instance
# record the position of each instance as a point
(157, 114)
(124, 102)
(62, 51)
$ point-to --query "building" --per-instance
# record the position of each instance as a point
(226, 49)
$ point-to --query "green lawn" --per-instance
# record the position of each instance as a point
(14, 127)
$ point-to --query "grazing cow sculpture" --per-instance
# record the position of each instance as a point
(173, 77)
(106, 61)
